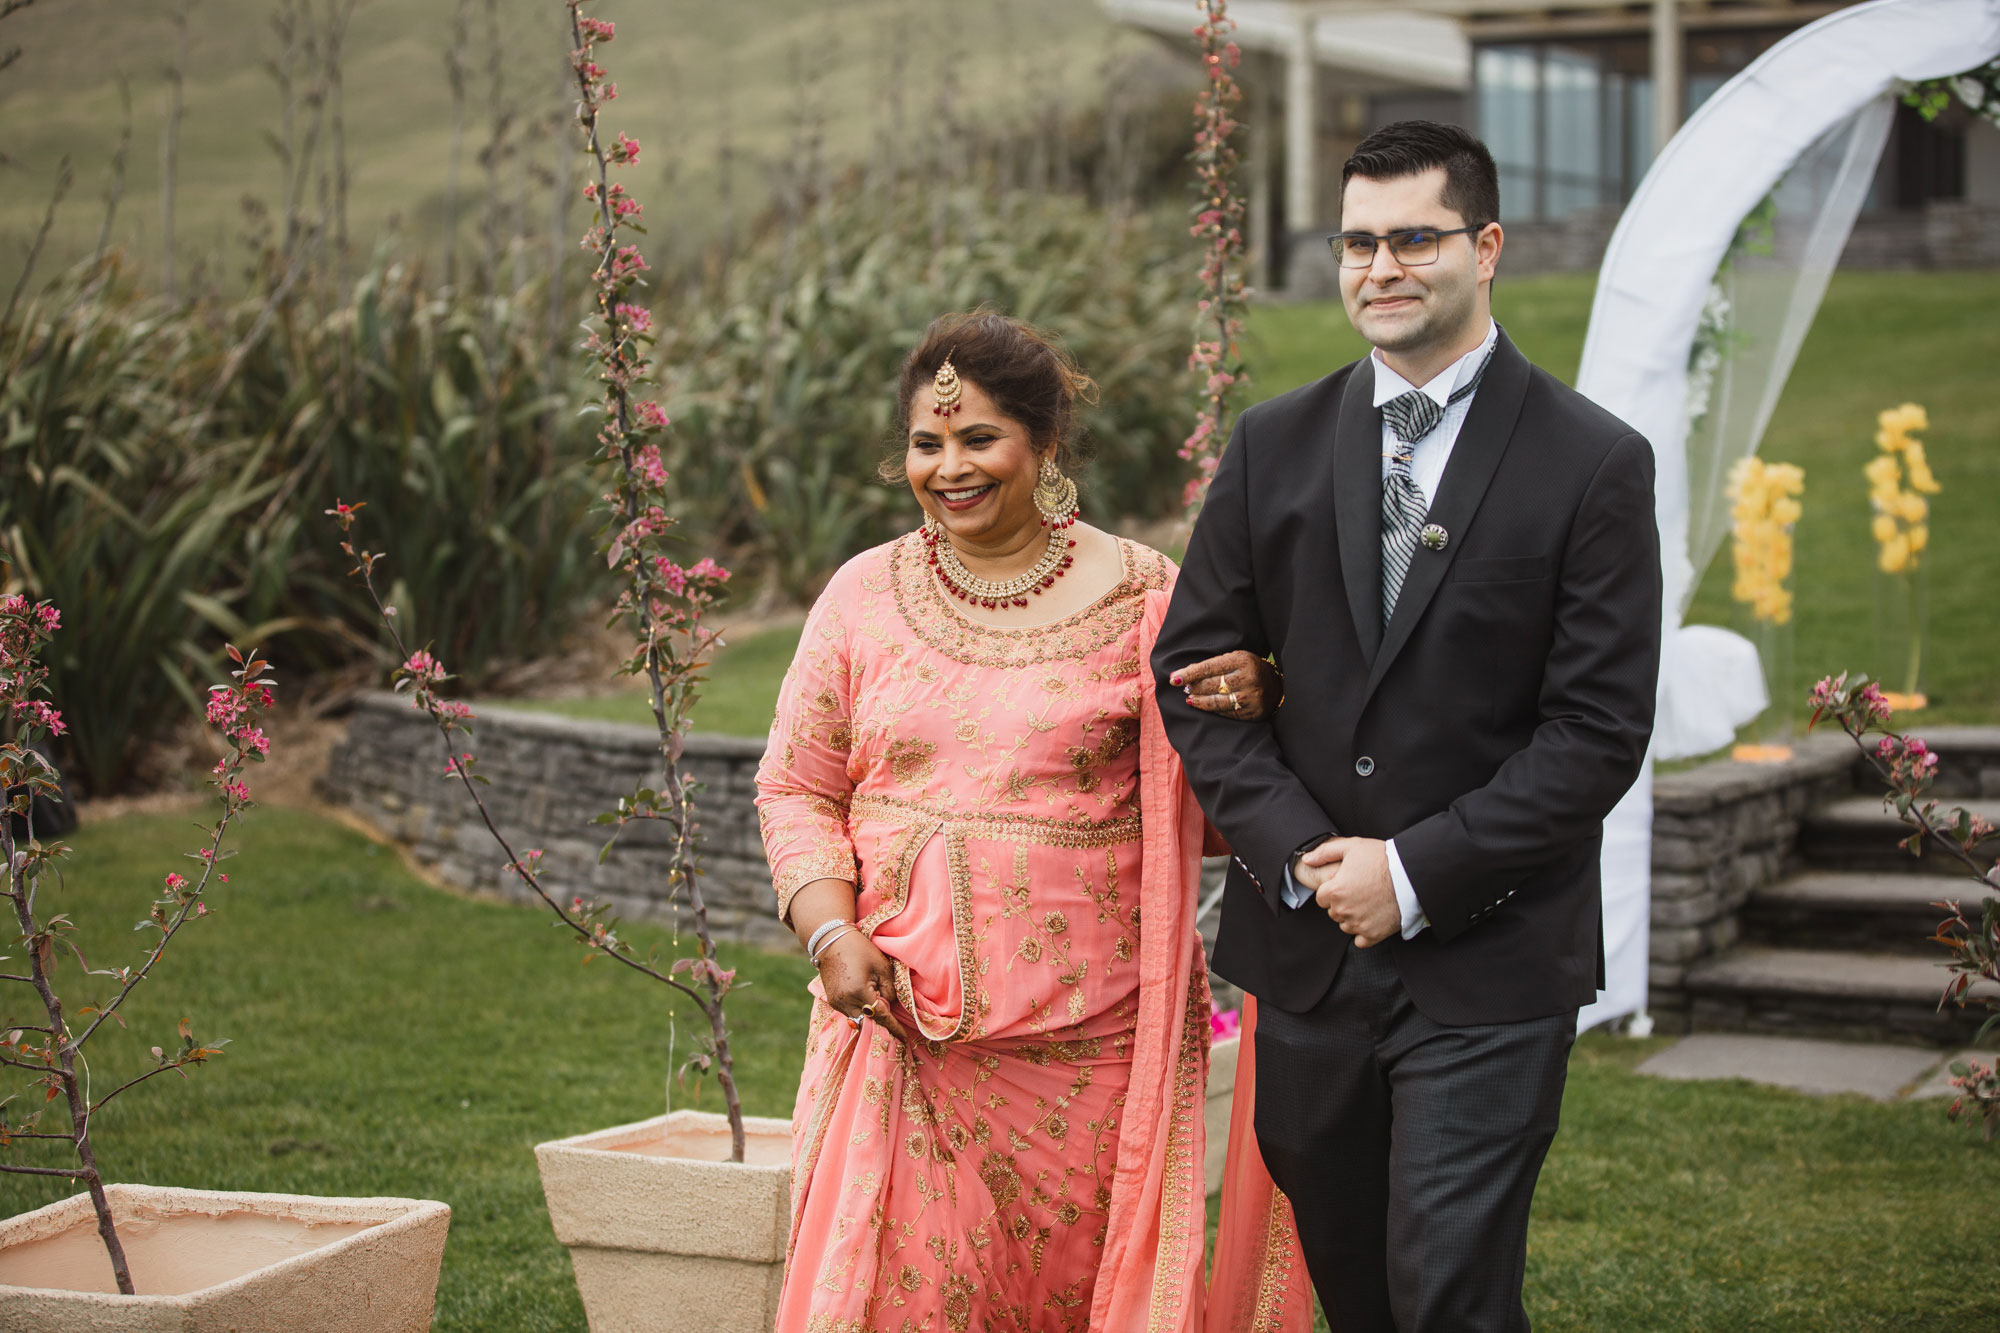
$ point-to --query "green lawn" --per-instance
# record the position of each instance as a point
(389, 1038)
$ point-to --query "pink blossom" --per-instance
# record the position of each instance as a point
(175, 883)
(670, 574)
(646, 462)
(628, 261)
(636, 317)
(253, 738)
(626, 150)
(706, 570)
(451, 710)
(50, 617)
(236, 791)
(651, 415)
(423, 667)
(599, 30)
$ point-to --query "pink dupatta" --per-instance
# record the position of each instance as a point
(1151, 1277)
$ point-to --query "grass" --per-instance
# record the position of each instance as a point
(391, 1038)
(738, 699)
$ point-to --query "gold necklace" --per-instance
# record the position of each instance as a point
(993, 594)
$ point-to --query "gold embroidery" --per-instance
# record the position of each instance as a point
(912, 761)
(1181, 1191)
(999, 826)
(931, 616)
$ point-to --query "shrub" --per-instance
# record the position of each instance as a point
(786, 391)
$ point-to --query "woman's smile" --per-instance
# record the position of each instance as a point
(961, 498)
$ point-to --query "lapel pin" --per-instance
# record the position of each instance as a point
(1433, 536)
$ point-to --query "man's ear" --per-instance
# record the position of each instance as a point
(1486, 250)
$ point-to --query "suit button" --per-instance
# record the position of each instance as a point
(1364, 766)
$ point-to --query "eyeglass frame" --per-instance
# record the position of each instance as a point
(1334, 241)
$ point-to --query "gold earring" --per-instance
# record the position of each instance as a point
(1055, 494)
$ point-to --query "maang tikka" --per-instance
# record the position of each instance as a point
(1055, 494)
(946, 389)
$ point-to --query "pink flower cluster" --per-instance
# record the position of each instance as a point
(635, 317)
(424, 668)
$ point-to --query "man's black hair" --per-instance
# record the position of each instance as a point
(1410, 147)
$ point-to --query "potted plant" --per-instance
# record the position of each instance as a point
(680, 1221)
(119, 1257)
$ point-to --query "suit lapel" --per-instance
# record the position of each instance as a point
(1357, 504)
(1482, 441)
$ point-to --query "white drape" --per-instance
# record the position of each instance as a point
(1811, 112)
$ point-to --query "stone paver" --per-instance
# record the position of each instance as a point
(1939, 1083)
(1871, 1069)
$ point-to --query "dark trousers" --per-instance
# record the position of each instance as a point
(1409, 1150)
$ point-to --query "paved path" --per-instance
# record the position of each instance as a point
(1871, 1069)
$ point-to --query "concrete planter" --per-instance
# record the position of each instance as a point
(666, 1234)
(1215, 1111)
(206, 1261)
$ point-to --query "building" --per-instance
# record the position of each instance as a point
(1573, 96)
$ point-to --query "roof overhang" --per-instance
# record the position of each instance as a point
(1383, 46)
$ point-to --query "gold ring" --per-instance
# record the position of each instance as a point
(869, 1009)
(1231, 696)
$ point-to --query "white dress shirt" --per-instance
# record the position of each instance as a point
(1427, 462)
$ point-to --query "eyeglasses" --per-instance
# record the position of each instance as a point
(1412, 249)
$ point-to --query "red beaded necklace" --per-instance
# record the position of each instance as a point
(968, 587)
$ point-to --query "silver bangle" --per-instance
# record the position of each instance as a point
(827, 943)
(830, 924)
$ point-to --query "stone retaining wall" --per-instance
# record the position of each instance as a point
(1719, 832)
(549, 777)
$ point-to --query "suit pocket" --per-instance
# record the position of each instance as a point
(1499, 569)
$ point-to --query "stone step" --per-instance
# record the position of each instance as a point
(1831, 992)
(1836, 910)
(1857, 833)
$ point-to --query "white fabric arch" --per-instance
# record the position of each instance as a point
(1655, 279)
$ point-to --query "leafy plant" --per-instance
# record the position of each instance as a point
(106, 510)
(47, 1055)
(783, 388)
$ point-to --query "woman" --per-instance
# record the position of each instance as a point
(977, 828)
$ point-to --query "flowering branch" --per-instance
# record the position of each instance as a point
(1217, 358)
(52, 1053)
(664, 603)
(1907, 768)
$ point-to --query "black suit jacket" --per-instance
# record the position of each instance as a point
(1488, 728)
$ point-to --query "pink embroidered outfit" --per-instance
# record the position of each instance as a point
(1026, 854)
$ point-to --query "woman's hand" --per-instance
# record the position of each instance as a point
(856, 978)
(1237, 685)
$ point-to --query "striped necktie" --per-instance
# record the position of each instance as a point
(1411, 416)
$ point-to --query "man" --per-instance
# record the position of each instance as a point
(1453, 559)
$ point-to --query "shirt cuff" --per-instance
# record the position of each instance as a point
(1414, 918)
(1294, 893)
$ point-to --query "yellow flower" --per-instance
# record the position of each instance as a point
(1899, 526)
(1762, 512)
(1895, 555)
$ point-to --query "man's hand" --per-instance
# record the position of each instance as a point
(1350, 879)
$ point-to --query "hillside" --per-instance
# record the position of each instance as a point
(694, 78)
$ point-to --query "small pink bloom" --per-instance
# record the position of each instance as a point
(651, 415)
(175, 883)
(253, 738)
(636, 317)
(625, 150)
